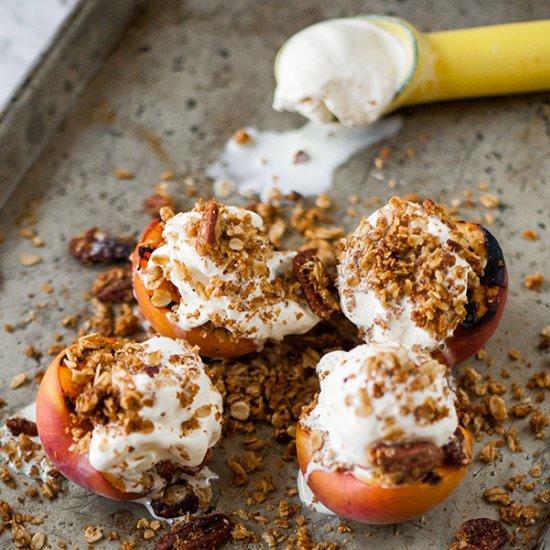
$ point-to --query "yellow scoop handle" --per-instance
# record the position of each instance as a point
(484, 61)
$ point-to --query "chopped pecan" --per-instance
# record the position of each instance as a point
(176, 501)
(17, 426)
(153, 203)
(480, 534)
(210, 228)
(456, 451)
(317, 288)
(114, 285)
(93, 247)
(202, 533)
(406, 461)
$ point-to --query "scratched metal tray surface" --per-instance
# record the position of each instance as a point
(185, 76)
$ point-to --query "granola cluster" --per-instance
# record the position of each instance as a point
(126, 397)
(386, 411)
(228, 275)
(398, 255)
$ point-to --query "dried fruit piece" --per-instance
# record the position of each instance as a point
(203, 533)
(17, 426)
(210, 228)
(153, 203)
(176, 501)
(480, 534)
(114, 285)
(317, 288)
(92, 247)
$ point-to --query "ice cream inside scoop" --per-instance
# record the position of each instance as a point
(342, 70)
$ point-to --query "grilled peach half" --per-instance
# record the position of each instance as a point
(483, 312)
(55, 422)
(212, 342)
(362, 500)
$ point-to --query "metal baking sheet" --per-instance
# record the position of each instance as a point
(185, 76)
(47, 94)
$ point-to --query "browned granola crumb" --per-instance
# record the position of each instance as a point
(122, 174)
(520, 514)
(533, 281)
(396, 258)
(530, 235)
(126, 322)
(489, 453)
(241, 137)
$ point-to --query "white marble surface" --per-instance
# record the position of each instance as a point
(27, 28)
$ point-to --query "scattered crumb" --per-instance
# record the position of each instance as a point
(533, 281)
(18, 380)
(28, 260)
(122, 174)
(530, 235)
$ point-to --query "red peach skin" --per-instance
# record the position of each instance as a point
(209, 344)
(354, 499)
(466, 341)
(469, 338)
(54, 422)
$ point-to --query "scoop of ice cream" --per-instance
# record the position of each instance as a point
(404, 275)
(380, 393)
(172, 413)
(342, 70)
(242, 285)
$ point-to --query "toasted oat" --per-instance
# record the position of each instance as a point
(28, 260)
(223, 188)
(489, 201)
(18, 380)
(38, 541)
(240, 410)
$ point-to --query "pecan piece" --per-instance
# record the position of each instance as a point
(153, 203)
(406, 461)
(317, 288)
(17, 426)
(114, 285)
(480, 534)
(93, 247)
(176, 501)
(456, 451)
(203, 533)
(210, 228)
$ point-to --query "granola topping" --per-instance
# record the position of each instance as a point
(228, 274)
(379, 394)
(148, 404)
(407, 273)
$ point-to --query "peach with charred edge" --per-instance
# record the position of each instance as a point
(54, 422)
(208, 342)
(473, 333)
(355, 499)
